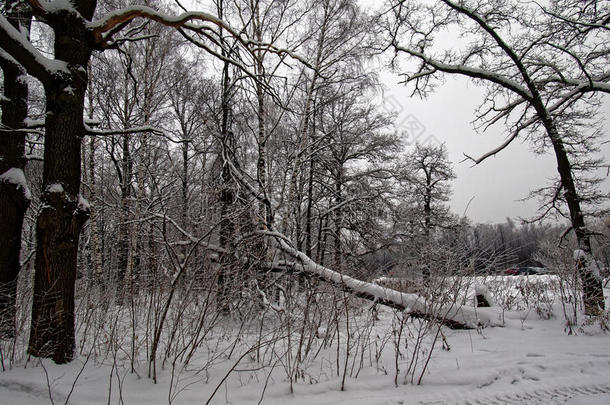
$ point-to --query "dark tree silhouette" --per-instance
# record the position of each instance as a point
(14, 194)
(539, 65)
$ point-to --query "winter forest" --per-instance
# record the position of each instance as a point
(207, 202)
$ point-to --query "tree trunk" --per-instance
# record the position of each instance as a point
(451, 315)
(227, 193)
(14, 196)
(13, 204)
(96, 255)
(61, 219)
(427, 225)
(338, 217)
(309, 209)
(124, 227)
(593, 293)
(185, 186)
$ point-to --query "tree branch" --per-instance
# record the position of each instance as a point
(18, 47)
(453, 316)
(468, 71)
(109, 132)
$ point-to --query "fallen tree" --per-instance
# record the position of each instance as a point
(449, 314)
(452, 315)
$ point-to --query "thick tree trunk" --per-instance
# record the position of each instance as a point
(61, 219)
(13, 204)
(593, 293)
(14, 196)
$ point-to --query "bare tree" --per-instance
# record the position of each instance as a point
(65, 77)
(429, 171)
(540, 66)
(136, 99)
(336, 45)
(358, 147)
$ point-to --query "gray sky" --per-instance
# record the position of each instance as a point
(496, 185)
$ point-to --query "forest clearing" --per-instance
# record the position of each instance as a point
(220, 201)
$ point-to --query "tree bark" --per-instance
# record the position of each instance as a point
(593, 293)
(123, 248)
(62, 216)
(227, 192)
(97, 273)
(338, 217)
(14, 197)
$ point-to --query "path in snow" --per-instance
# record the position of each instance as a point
(25, 392)
(554, 396)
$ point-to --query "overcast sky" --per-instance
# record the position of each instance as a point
(493, 190)
(495, 186)
(489, 192)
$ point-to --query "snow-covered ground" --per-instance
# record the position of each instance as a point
(528, 361)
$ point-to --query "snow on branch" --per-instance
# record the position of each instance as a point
(127, 14)
(453, 316)
(127, 131)
(29, 127)
(506, 48)
(464, 70)
(113, 22)
(34, 126)
(27, 130)
(566, 99)
(585, 86)
(13, 42)
(602, 24)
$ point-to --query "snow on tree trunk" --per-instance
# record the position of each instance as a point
(483, 296)
(63, 213)
(593, 295)
(452, 315)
